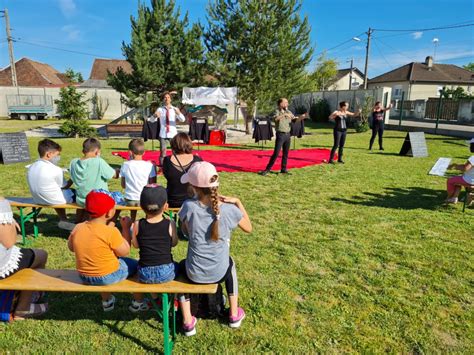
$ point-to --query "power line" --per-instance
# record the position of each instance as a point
(380, 52)
(61, 49)
(340, 44)
(395, 50)
(422, 29)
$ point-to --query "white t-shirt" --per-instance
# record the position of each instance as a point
(136, 174)
(469, 175)
(161, 114)
(45, 181)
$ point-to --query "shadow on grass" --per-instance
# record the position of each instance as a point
(399, 198)
(80, 306)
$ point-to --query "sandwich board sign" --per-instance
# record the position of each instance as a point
(14, 148)
(414, 145)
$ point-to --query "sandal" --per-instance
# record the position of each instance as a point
(36, 310)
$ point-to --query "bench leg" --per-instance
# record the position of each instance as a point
(164, 313)
(36, 212)
(168, 343)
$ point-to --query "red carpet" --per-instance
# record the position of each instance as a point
(247, 160)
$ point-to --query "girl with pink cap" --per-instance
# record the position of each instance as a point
(208, 220)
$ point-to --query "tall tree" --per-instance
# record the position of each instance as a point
(261, 46)
(164, 53)
(73, 76)
(469, 66)
(324, 73)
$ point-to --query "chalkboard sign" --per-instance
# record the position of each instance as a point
(14, 148)
(414, 145)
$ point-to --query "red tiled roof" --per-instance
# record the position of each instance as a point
(32, 73)
(102, 66)
(421, 73)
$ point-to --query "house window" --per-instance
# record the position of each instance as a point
(397, 91)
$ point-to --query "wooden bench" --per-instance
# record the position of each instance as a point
(124, 129)
(69, 281)
(23, 203)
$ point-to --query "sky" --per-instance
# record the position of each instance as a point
(71, 33)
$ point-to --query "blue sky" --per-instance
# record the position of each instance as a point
(98, 27)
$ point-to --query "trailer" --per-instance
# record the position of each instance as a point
(31, 107)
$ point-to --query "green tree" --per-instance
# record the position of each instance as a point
(72, 106)
(456, 94)
(469, 66)
(73, 76)
(324, 73)
(260, 46)
(164, 53)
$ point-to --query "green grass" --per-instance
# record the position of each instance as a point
(13, 125)
(361, 257)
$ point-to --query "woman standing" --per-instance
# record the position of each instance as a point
(378, 123)
(340, 130)
(175, 166)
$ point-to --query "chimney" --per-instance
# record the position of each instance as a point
(429, 62)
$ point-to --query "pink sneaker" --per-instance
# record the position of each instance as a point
(234, 322)
(190, 329)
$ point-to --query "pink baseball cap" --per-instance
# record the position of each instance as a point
(200, 175)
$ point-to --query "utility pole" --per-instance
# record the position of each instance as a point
(10, 48)
(367, 49)
(350, 74)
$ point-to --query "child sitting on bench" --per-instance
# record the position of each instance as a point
(99, 247)
(13, 259)
(46, 181)
(135, 174)
(154, 236)
(455, 183)
(90, 172)
(209, 220)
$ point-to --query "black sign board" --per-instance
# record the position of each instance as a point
(414, 145)
(14, 148)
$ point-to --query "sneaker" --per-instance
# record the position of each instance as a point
(264, 172)
(109, 304)
(136, 307)
(331, 162)
(68, 226)
(452, 200)
(190, 329)
(286, 172)
(234, 322)
(341, 161)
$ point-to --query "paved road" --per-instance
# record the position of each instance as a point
(453, 130)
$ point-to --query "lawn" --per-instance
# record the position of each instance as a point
(361, 257)
(13, 125)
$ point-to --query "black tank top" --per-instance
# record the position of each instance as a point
(154, 241)
(377, 117)
(340, 123)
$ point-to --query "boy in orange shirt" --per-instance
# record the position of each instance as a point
(100, 248)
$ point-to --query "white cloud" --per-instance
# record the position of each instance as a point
(72, 32)
(379, 65)
(417, 35)
(67, 7)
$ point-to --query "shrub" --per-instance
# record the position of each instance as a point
(320, 111)
(77, 128)
(362, 122)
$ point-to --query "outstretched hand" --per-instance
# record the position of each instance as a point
(227, 199)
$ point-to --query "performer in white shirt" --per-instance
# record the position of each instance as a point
(167, 114)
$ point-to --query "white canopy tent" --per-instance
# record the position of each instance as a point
(207, 96)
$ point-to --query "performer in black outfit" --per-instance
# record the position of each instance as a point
(378, 123)
(340, 130)
(283, 117)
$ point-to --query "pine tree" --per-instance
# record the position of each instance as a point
(164, 53)
(261, 46)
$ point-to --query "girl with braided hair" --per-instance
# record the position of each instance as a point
(208, 220)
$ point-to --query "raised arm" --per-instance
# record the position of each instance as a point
(244, 223)
(461, 167)
(388, 107)
(333, 115)
(179, 115)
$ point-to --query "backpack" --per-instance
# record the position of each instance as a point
(208, 306)
(7, 305)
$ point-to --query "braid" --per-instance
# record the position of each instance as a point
(215, 210)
